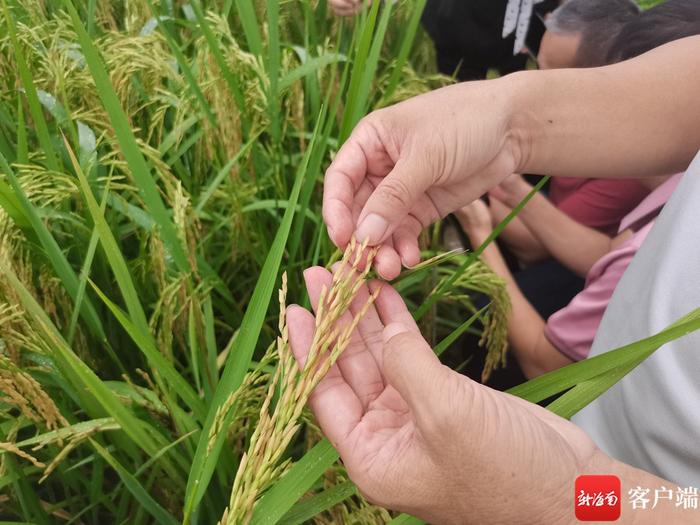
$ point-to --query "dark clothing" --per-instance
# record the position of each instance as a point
(548, 285)
(467, 36)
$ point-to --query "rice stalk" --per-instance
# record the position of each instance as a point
(478, 279)
(260, 466)
(22, 391)
(12, 448)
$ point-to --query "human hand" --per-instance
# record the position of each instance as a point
(408, 165)
(345, 7)
(511, 190)
(419, 438)
(475, 219)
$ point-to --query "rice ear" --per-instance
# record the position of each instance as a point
(260, 466)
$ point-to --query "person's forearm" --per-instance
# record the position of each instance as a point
(519, 239)
(574, 245)
(633, 119)
(525, 325)
(630, 478)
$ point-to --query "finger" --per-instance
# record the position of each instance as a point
(387, 261)
(370, 326)
(390, 202)
(362, 154)
(412, 368)
(406, 241)
(356, 364)
(391, 307)
(343, 7)
(334, 403)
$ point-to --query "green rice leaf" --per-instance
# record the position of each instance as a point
(632, 354)
(96, 399)
(184, 66)
(448, 283)
(405, 519)
(251, 29)
(132, 484)
(310, 66)
(239, 358)
(455, 334)
(229, 77)
(30, 90)
(221, 175)
(294, 484)
(53, 253)
(156, 359)
(307, 509)
(418, 7)
(140, 170)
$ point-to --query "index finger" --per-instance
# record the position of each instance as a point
(341, 182)
(363, 154)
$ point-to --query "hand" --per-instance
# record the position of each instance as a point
(419, 438)
(511, 191)
(345, 7)
(475, 219)
(408, 165)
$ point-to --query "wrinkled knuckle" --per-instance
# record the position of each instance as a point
(394, 193)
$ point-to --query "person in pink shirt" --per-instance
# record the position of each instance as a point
(573, 39)
(541, 346)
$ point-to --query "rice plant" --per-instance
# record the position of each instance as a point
(161, 166)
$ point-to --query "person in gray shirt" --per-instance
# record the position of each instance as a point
(420, 438)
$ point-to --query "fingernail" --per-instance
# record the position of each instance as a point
(331, 233)
(372, 228)
(393, 329)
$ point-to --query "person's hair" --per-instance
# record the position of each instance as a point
(659, 25)
(597, 22)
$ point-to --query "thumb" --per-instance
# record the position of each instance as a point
(390, 202)
(411, 366)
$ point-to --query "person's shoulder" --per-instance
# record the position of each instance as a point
(615, 262)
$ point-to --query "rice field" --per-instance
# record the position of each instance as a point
(160, 197)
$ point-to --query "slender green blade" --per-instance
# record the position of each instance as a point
(305, 510)
(562, 379)
(584, 393)
(405, 519)
(310, 66)
(406, 45)
(456, 333)
(112, 250)
(440, 291)
(249, 21)
(369, 68)
(54, 253)
(229, 77)
(25, 74)
(156, 359)
(140, 170)
(295, 483)
(12, 206)
(221, 175)
(273, 67)
(184, 67)
(97, 399)
(359, 62)
(132, 484)
(239, 358)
